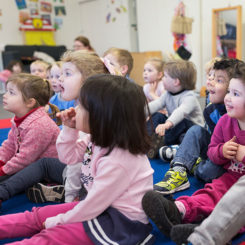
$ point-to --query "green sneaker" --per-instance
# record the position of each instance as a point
(172, 182)
(199, 159)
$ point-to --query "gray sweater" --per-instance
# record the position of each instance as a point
(179, 106)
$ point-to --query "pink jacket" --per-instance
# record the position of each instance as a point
(119, 180)
(35, 138)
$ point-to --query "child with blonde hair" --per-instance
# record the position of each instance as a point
(77, 66)
(227, 149)
(39, 68)
(108, 159)
(33, 134)
(153, 74)
(119, 62)
(181, 104)
(55, 73)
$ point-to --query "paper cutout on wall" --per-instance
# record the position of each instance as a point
(114, 9)
(24, 15)
(38, 31)
(21, 4)
(46, 7)
(0, 12)
(58, 23)
(59, 10)
(39, 38)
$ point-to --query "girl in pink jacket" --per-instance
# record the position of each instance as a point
(33, 133)
(115, 171)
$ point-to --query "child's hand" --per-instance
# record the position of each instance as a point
(112, 69)
(161, 128)
(68, 117)
(230, 149)
(44, 225)
(240, 153)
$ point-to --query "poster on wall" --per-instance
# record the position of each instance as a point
(59, 10)
(21, 4)
(46, 7)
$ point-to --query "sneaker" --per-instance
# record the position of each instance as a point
(157, 143)
(180, 233)
(199, 159)
(161, 211)
(172, 182)
(167, 153)
(40, 193)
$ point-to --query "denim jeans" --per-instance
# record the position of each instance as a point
(194, 145)
(172, 136)
(43, 169)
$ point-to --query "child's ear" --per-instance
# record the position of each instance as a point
(177, 82)
(124, 70)
(160, 75)
(31, 103)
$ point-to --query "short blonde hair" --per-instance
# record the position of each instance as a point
(88, 63)
(123, 57)
(157, 63)
(210, 64)
(41, 62)
(183, 70)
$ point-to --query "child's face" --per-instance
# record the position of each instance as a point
(168, 82)
(55, 74)
(82, 119)
(151, 74)
(218, 87)
(70, 81)
(38, 70)
(235, 99)
(17, 68)
(210, 75)
(13, 101)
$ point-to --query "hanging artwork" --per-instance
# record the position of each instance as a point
(21, 4)
(180, 26)
(59, 10)
(114, 8)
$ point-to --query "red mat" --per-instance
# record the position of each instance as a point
(5, 123)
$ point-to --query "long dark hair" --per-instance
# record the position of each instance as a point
(116, 113)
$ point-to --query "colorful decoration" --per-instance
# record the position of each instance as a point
(115, 8)
(21, 4)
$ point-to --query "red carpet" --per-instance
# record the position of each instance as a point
(5, 123)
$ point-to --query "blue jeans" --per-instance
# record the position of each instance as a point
(194, 145)
(172, 136)
(50, 169)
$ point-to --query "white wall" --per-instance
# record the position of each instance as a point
(154, 20)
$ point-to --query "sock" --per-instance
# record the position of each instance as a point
(179, 167)
(181, 208)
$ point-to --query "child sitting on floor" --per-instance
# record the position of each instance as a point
(227, 149)
(194, 159)
(181, 104)
(33, 134)
(119, 62)
(108, 159)
(152, 74)
(39, 68)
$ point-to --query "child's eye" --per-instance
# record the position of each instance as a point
(236, 94)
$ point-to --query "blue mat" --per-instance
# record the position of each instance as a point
(20, 202)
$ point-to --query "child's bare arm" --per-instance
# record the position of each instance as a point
(161, 128)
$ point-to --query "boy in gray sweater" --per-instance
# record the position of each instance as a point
(181, 104)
